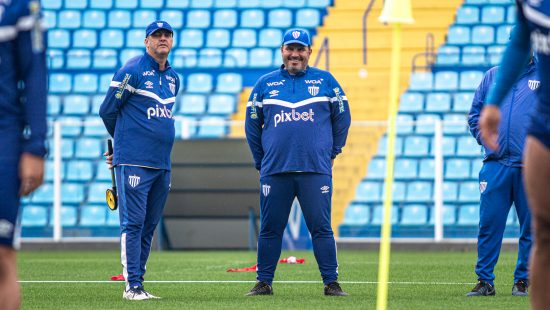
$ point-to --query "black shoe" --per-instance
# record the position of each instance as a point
(261, 288)
(482, 288)
(520, 288)
(334, 289)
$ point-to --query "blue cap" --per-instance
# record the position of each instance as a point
(300, 36)
(156, 25)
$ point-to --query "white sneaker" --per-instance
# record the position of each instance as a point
(138, 293)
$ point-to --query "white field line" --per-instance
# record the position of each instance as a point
(236, 281)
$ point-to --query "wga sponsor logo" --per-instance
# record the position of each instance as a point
(314, 81)
(149, 73)
(325, 189)
(133, 180)
(277, 83)
(265, 189)
(533, 84)
(160, 112)
(293, 116)
(541, 42)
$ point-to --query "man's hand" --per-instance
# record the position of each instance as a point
(332, 162)
(108, 159)
(488, 125)
(31, 173)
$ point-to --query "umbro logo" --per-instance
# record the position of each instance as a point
(274, 93)
(133, 180)
(325, 189)
(148, 84)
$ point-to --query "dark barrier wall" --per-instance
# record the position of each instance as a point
(214, 186)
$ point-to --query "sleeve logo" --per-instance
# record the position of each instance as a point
(122, 86)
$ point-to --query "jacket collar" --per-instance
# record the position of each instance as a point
(153, 63)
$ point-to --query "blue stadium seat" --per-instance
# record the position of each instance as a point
(128, 53)
(438, 102)
(85, 83)
(67, 146)
(229, 83)
(79, 170)
(383, 146)
(236, 57)
(198, 19)
(50, 19)
(104, 82)
(455, 124)
(368, 192)
(473, 55)
(113, 218)
(272, 4)
(72, 193)
(103, 4)
(404, 124)
(477, 163)
(376, 169)
(277, 59)
(177, 4)
(468, 192)
(244, 38)
(49, 172)
(467, 15)
(94, 19)
(467, 146)
(93, 215)
(88, 148)
(210, 58)
(142, 18)
(307, 18)
(492, 15)
(417, 146)
(356, 214)
(225, 3)
(414, 215)
(457, 169)
(421, 81)
(111, 38)
(54, 105)
(120, 19)
(71, 127)
(446, 80)
(419, 191)
(458, 35)
(252, 18)
(398, 191)
(221, 104)
(192, 104)
(68, 216)
(60, 83)
(249, 3)
(225, 19)
(218, 38)
(450, 191)
(294, 3)
(126, 4)
(134, 38)
(270, 38)
(468, 215)
(51, 4)
(202, 3)
(448, 55)
(93, 127)
(321, 4)
(152, 4)
(212, 127)
(188, 127)
(377, 215)
(260, 57)
(448, 216)
(34, 216)
(405, 168)
(425, 123)
(105, 59)
(503, 34)
(76, 105)
(78, 59)
(469, 80)
(495, 53)
(511, 14)
(483, 34)
(191, 38)
(411, 102)
(173, 17)
(58, 38)
(512, 218)
(76, 4)
(426, 168)
(279, 18)
(69, 19)
(96, 190)
(199, 83)
(43, 195)
(184, 58)
(55, 59)
(463, 102)
(96, 102)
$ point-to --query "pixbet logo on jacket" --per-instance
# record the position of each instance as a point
(293, 116)
(163, 112)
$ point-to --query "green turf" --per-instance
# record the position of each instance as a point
(453, 268)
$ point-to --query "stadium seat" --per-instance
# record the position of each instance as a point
(126, 4)
(450, 191)
(76, 105)
(252, 18)
(210, 58)
(111, 38)
(225, 3)
(404, 124)
(72, 193)
(279, 18)
(79, 170)
(322, 4)
(260, 57)
(455, 124)
(448, 55)
(398, 191)
(69, 19)
(448, 216)
(458, 35)
(85, 83)
(356, 214)
(191, 38)
(411, 102)
(483, 35)
(467, 146)
(58, 38)
(177, 4)
(128, 53)
(199, 83)
(221, 104)
(376, 169)
(512, 218)
(113, 218)
(457, 169)
(49, 171)
(152, 4)
(426, 168)
(469, 80)
(468, 215)
(229, 83)
(225, 19)
(71, 126)
(93, 216)
(103, 4)
(97, 100)
(249, 3)
(55, 59)
(173, 17)
(416, 146)
(34, 216)
(244, 38)
(50, 19)
(383, 146)
(377, 215)
(468, 192)
(405, 168)
(368, 192)
(473, 55)
(134, 38)
(462, 102)
(477, 163)
(294, 3)
(54, 105)
(270, 38)
(142, 18)
(421, 81)
(495, 53)
(51, 4)
(272, 4)
(511, 14)
(492, 14)
(277, 59)
(199, 19)
(414, 215)
(503, 34)
(96, 190)
(467, 15)
(419, 191)
(69, 216)
(60, 83)
(105, 59)
(192, 104)
(103, 174)
(184, 58)
(67, 146)
(307, 18)
(438, 102)
(78, 59)
(93, 127)
(88, 148)
(235, 57)
(212, 127)
(120, 19)
(425, 123)
(446, 80)
(43, 195)
(104, 82)
(202, 3)
(218, 38)
(187, 126)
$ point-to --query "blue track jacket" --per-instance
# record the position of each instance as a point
(516, 107)
(22, 76)
(137, 112)
(296, 122)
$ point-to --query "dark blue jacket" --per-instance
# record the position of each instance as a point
(22, 77)
(137, 112)
(516, 107)
(296, 122)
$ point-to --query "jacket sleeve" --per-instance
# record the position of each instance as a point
(340, 117)
(478, 102)
(254, 124)
(122, 87)
(31, 61)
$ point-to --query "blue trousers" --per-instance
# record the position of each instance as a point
(142, 193)
(504, 187)
(10, 147)
(314, 192)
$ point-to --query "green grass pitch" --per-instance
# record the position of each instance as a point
(419, 280)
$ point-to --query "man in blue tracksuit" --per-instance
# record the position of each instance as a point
(22, 126)
(297, 121)
(501, 180)
(137, 112)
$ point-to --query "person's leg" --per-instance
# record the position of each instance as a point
(314, 195)
(524, 216)
(495, 202)
(537, 185)
(10, 297)
(276, 196)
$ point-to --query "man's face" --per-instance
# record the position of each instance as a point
(159, 43)
(295, 57)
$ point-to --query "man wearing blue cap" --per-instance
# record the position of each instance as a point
(297, 121)
(137, 112)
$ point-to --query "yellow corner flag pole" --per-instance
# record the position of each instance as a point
(395, 12)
